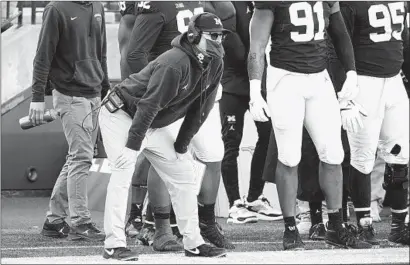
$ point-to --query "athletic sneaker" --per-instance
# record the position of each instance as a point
(87, 231)
(133, 226)
(146, 235)
(239, 214)
(59, 230)
(123, 254)
(345, 239)
(212, 234)
(292, 239)
(305, 223)
(400, 235)
(317, 232)
(206, 250)
(263, 210)
(366, 231)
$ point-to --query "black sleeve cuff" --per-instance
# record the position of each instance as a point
(180, 148)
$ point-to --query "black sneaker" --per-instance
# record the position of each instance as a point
(87, 231)
(368, 234)
(133, 226)
(317, 232)
(146, 235)
(211, 233)
(400, 235)
(345, 239)
(206, 250)
(59, 230)
(292, 239)
(124, 254)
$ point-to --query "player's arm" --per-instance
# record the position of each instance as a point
(196, 115)
(406, 52)
(46, 48)
(147, 27)
(341, 39)
(349, 16)
(162, 88)
(259, 29)
(105, 83)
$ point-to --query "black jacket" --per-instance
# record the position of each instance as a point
(173, 86)
(71, 50)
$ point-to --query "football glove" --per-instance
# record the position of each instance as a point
(352, 113)
(350, 88)
(257, 105)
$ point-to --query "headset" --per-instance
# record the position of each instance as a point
(194, 35)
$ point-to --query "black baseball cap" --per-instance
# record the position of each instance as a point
(208, 22)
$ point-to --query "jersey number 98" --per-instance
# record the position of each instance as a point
(185, 15)
(389, 16)
(304, 7)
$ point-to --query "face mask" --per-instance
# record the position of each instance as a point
(214, 49)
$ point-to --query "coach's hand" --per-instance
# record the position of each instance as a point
(127, 158)
(257, 105)
(352, 114)
(36, 113)
(350, 88)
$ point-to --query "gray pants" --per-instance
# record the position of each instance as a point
(70, 189)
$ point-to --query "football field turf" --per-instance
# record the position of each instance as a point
(21, 243)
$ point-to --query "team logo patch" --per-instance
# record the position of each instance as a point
(231, 119)
(98, 17)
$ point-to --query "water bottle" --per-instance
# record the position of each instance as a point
(49, 116)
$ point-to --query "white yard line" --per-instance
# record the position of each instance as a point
(100, 246)
(367, 256)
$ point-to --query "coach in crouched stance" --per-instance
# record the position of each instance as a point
(141, 114)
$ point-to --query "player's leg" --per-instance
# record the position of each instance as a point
(363, 146)
(124, 33)
(209, 150)
(179, 178)
(322, 121)
(160, 202)
(394, 149)
(337, 75)
(255, 201)
(138, 194)
(287, 105)
(309, 190)
(377, 193)
(232, 110)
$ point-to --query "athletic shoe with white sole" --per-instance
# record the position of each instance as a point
(123, 254)
(239, 214)
(206, 250)
(263, 210)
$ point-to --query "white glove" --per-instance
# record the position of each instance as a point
(352, 113)
(350, 88)
(257, 105)
(36, 112)
(127, 159)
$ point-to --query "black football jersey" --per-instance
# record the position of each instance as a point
(299, 34)
(376, 28)
(175, 15)
(127, 7)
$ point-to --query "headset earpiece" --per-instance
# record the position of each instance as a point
(194, 35)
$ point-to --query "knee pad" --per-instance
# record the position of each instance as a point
(289, 159)
(332, 157)
(396, 177)
(365, 167)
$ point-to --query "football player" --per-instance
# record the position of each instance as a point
(300, 93)
(157, 23)
(232, 106)
(380, 38)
